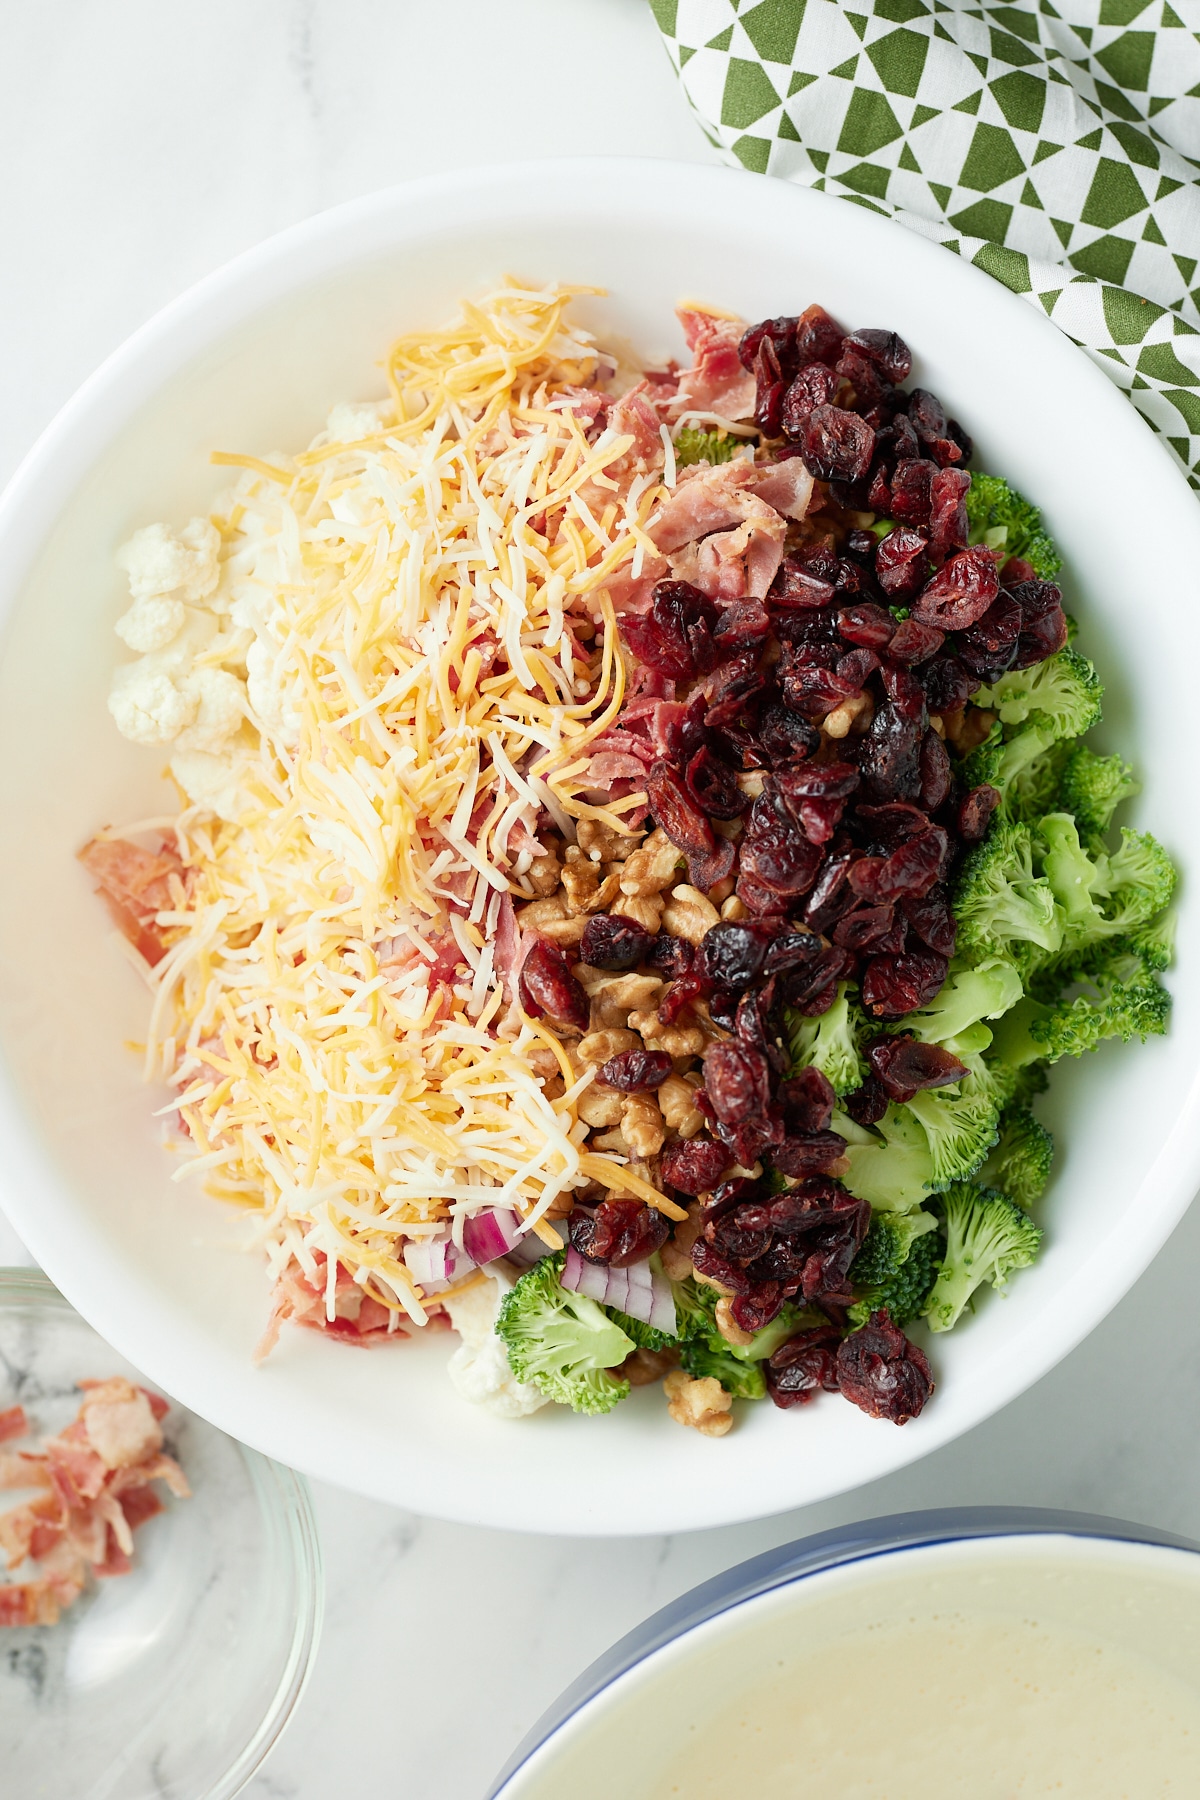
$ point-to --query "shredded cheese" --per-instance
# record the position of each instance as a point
(403, 602)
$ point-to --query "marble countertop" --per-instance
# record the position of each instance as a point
(141, 145)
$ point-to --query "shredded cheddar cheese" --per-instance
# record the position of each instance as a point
(403, 602)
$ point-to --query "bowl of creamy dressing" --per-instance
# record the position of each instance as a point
(993, 1652)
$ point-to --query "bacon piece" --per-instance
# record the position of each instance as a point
(30, 1530)
(158, 1468)
(13, 1423)
(716, 381)
(786, 485)
(28, 1603)
(76, 1472)
(120, 1424)
(23, 1469)
(633, 593)
(633, 415)
(139, 1504)
(137, 885)
(357, 1318)
(730, 565)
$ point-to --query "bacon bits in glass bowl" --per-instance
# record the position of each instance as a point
(173, 1681)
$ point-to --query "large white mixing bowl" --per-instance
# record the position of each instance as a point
(252, 359)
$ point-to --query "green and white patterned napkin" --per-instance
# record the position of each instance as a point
(1054, 143)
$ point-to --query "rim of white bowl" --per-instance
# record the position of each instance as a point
(284, 1497)
(139, 1322)
(708, 1607)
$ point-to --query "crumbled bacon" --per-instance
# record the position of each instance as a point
(716, 382)
(96, 1475)
(137, 885)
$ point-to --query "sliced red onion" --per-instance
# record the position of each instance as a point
(529, 1250)
(490, 1234)
(639, 1290)
(436, 1262)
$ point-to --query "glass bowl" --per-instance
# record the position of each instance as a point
(626, 1723)
(173, 1681)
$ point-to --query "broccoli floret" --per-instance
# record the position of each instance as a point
(1120, 998)
(1072, 875)
(743, 1380)
(644, 1336)
(961, 1123)
(1061, 694)
(1021, 1161)
(1137, 881)
(1001, 518)
(967, 996)
(1091, 788)
(693, 445)
(1033, 788)
(1022, 768)
(695, 1309)
(1154, 942)
(886, 1246)
(829, 1042)
(893, 1169)
(988, 1236)
(563, 1342)
(999, 903)
(905, 1291)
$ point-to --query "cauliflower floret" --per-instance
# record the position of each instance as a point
(220, 708)
(151, 624)
(215, 782)
(273, 705)
(479, 1367)
(353, 420)
(158, 561)
(147, 705)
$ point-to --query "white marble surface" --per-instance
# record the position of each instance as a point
(141, 143)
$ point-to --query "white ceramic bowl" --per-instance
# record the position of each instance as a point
(252, 359)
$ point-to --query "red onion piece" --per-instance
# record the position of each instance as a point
(436, 1262)
(491, 1234)
(638, 1290)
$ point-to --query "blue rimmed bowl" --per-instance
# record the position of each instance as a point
(644, 1711)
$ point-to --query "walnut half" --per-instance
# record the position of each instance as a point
(703, 1404)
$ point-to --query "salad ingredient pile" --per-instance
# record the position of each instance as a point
(94, 1486)
(645, 867)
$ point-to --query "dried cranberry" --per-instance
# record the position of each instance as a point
(914, 643)
(695, 1166)
(838, 445)
(635, 1071)
(752, 1311)
(960, 592)
(889, 353)
(611, 942)
(818, 337)
(807, 1100)
(812, 990)
(618, 1232)
(949, 527)
(819, 819)
(893, 823)
(813, 1153)
(868, 1103)
(780, 333)
(730, 688)
(975, 813)
(830, 895)
(899, 440)
(948, 684)
(742, 622)
(911, 489)
(771, 387)
(895, 985)
(937, 777)
(906, 1066)
(867, 624)
(863, 926)
(803, 1367)
(760, 900)
(911, 868)
(678, 998)
(547, 986)
(779, 859)
(871, 389)
(731, 954)
(676, 636)
(853, 669)
(671, 956)
(931, 919)
(675, 810)
(784, 735)
(818, 781)
(798, 587)
(989, 646)
(791, 950)
(736, 1081)
(904, 691)
(879, 1370)
(1045, 637)
(1015, 571)
(713, 786)
(855, 581)
(902, 562)
(810, 689)
(891, 758)
(929, 421)
(814, 386)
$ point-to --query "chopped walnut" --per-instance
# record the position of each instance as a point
(854, 714)
(642, 1125)
(652, 868)
(733, 908)
(600, 1106)
(564, 931)
(676, 1040)
(728, 1326)
(618, 995)
(676, 1253)
(612, 1141)
(543, 873)
(540, 913)
(585, 891)
(645, 1366)
(543, 1061)
(721, 892)
(702, 1404)
(600, 843)
(645, 910)
(677, 1103)
(598, 1046)
(966, 727)
(689, 914)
